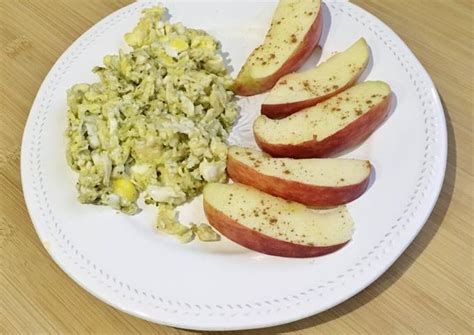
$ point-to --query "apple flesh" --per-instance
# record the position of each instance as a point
(315, 182)
(296, 91)
(330, 127)
(274, 226)
(294, 33)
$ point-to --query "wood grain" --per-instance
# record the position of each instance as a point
(428, 290)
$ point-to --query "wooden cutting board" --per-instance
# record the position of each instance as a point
(428, 290)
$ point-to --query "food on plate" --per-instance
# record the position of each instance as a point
(272, 225)
(168, 223)
(296, 91)
(294, 33)
(329, 127)
(155, 124)
(322, 182)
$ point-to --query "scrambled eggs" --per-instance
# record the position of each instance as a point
(155, 123)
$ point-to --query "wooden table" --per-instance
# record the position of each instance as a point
(428, 290)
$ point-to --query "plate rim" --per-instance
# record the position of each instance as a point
(429, 201)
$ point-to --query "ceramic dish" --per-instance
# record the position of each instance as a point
(123, 261)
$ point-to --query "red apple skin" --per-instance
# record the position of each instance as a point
(279, 111)
(256, 241)
(311, 195)
(351, 135)
(252, 87)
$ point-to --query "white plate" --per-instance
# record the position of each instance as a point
(124, 262)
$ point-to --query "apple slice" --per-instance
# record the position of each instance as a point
(334, 125)
(274, 226)
(294, 33)
(315, 182)
(296, 91)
